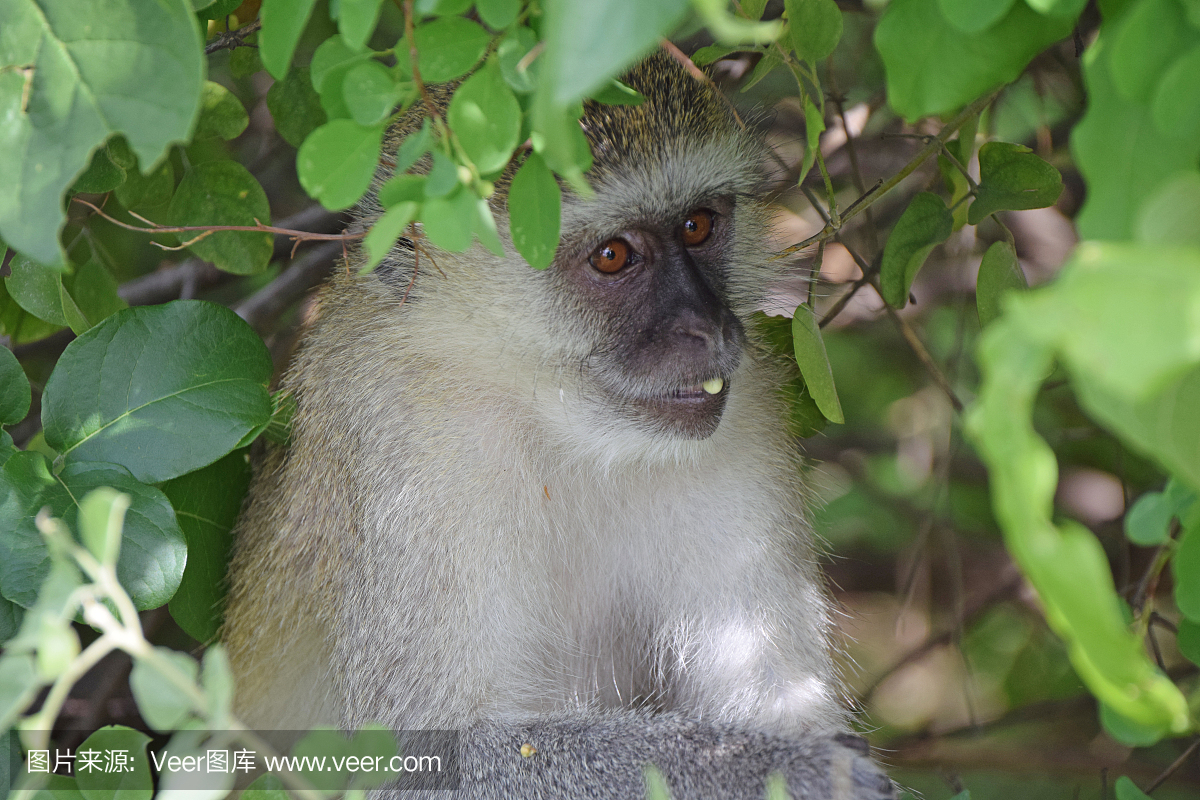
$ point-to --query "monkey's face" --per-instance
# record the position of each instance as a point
(666, 343)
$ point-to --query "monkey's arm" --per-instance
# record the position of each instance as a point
(604, 756)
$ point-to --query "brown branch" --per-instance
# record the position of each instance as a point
(430, 106)
(231, 40)
(306, 272)
(155, 228)
(1175, 765)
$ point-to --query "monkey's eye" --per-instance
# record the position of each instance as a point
(697, 227)
(611, 256)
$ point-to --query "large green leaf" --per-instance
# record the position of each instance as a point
(1122, 153)
(447, 48)
(153, 551)
(337, 161)
(71, 77)
(590, 41)
(486, 118)
(933, 67)
(206, 504)
(14, 389)
(160, 390)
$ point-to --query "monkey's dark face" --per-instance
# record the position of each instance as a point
(657, 291)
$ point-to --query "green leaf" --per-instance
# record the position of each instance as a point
(1133, 337)
(1128, 790)
(973, 16)
(615, 93)
(1162, 423)
(1012, 178)
(147, 191)
(295, 106)
(558, 138)
(18, 686)
(50, 295)
(815, 27)
(1123, 155)
(933, 68)
(442, 177)
(1150, 36)
(486, 118)
(1058, 8)
(1127, 731)
(1147, 523)
(485, 227)
(814, 363)
(266, 787)
(221, 114)
(101, 518)
(999, 273)
(924, 225)
(192, 380)
(244, 62)
(135, 783)
(224, 193)
(15, 394)
(442, 8)
(814, 126)
(17, 323)
(413, 147)
(449, 221)
(1169, 215)
(448, 47)
(337, 161)
(578, 61)
(712, 53)
(1188, 640)
(330, 63)
(152, 551)
(216, 675)
(1176, 105)
(102, 175)
(370, 92)
(356, 19)
(511, 52)
(163, 704)
(534, 212)
(1185, 566)
(206, 504)
(498, 14)
(1081, 603)
(402, 189)
(81, 90)
(282, 23)
(387, 229)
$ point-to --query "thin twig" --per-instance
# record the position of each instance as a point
(1175, 765)
(155, 228)
(880, 190)
(231, 40)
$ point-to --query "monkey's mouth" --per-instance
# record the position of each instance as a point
(692, 412)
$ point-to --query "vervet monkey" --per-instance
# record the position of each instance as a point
(558, 508)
